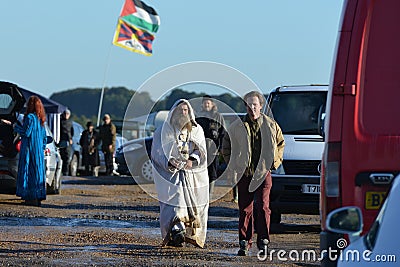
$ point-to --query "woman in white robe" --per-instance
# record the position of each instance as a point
(180, 174)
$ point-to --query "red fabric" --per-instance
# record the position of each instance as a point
(128, 8)
(260, 199)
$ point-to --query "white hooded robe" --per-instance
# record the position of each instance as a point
(183, 194)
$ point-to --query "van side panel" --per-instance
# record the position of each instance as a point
(363, 104)
(379, 77)
(335, 99)
(370, 141)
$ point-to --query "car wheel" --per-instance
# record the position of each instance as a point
(145, 171)
(57, 178)
(276, 217)
(73, 168)
(52, 188)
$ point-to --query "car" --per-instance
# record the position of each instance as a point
(379, 246)
(53, 163)
(133, 157)
(75, 159)
(11, 104)
(298, 109)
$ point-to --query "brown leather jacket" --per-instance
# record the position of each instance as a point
(236, 147)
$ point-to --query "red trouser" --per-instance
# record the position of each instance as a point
(260, 198)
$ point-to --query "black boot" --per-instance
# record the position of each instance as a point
(177, 238)
(244, 248)
(33, 202)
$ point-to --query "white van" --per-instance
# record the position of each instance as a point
(298, 110)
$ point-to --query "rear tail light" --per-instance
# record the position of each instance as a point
(18, 146)
(47, 152)
(332, 168)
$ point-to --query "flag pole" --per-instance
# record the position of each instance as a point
(102, 89)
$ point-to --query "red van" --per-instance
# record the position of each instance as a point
(362, 125)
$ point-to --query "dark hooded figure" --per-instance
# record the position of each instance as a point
(90, 155)
(213, 125)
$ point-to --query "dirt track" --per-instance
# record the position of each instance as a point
(110, 221)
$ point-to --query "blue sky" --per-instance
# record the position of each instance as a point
(50, 46)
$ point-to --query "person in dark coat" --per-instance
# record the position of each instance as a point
(213, 125)
(65, 143)
(89, 141)
(108, 135)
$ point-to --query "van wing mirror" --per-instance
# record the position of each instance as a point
(346, 220)
(321, 121)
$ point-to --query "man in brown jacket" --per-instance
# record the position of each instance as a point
(108, 134)
(252, 147)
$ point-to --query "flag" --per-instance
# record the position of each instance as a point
(137, 13)
(137, 24)
(132, 38)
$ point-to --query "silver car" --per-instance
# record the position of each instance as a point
(53, 163)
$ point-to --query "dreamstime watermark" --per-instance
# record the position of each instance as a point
(311, 255)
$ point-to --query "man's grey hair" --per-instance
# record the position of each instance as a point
(256, 94)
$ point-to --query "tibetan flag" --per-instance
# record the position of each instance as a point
(134, 39)
(137, 13)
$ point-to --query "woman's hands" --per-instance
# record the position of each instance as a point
(5, 121)
(178, 164)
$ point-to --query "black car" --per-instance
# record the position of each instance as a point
(137, 153)
(11, 104)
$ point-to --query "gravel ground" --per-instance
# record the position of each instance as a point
(110, 221)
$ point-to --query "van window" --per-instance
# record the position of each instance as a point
(380, 80)
(298, 112)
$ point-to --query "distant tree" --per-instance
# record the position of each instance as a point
(85, 101)
(234, 102)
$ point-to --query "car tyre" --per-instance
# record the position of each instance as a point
(57, 189)
(73, 168)
(54, 187)
(144, 171)
(276, 217)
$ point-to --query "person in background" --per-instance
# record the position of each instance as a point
(90, 155)
(65, 143)
(213, 125)
(179, 157)
(31, 178)
(252, 147)
(108, 135)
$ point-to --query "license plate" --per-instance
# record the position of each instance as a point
(374, 200)
(310, 188)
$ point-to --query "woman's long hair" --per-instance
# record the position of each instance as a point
(35, 106)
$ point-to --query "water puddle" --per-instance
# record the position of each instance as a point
(213, 222)
(73, 222)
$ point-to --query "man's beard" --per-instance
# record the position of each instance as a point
(182, 121)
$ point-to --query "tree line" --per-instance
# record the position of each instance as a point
(84, 102)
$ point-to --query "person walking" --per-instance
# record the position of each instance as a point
(252, 148)
(108, 135)
(90, 155)
(31, 179)
(179, 157)
(65, 143)
(213, 125)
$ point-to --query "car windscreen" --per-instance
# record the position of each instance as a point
(298, 112)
